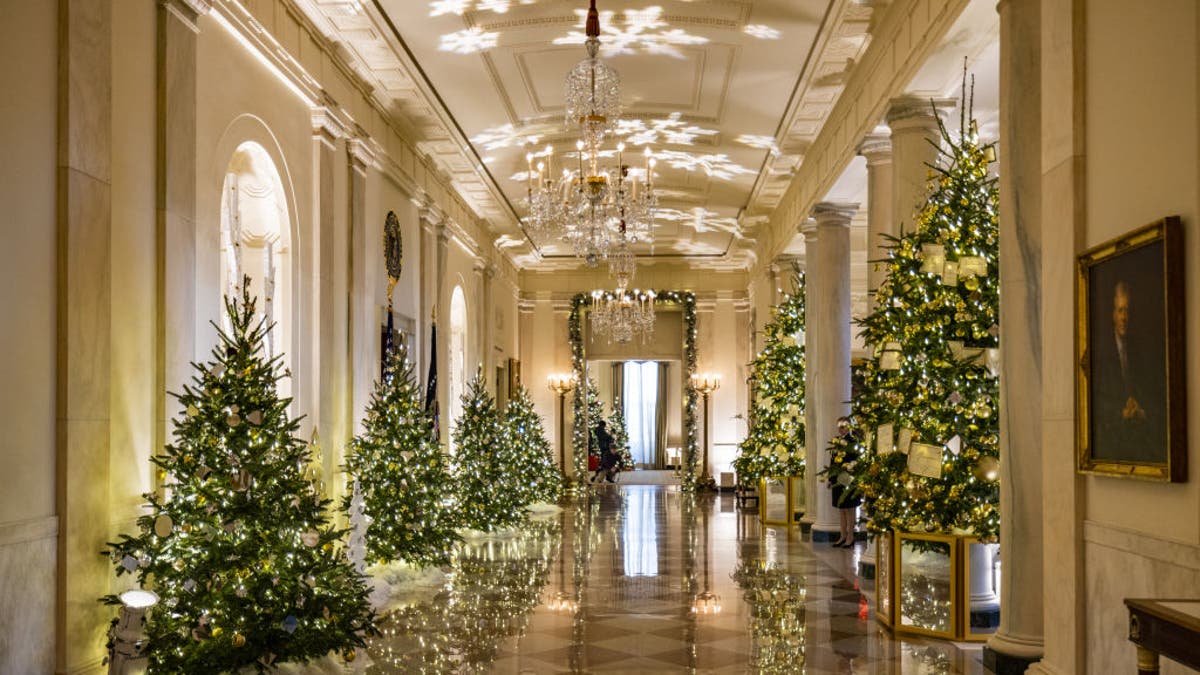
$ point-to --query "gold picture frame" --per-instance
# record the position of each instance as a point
(1131, 391)
(907, 618)
(968, 616)
(775, 500)
(885, 572)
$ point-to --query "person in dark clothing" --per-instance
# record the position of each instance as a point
(608, 458)
(846, 501)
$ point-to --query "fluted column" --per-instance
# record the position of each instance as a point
(914, 125)
(832, 351)
(1019, 640)
(877, 149)
(812, 259)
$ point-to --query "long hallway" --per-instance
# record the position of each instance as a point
(646, 579)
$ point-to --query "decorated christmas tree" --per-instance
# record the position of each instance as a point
(538, 477)
(620, 435)
(239, 546)
(484, 464)
(402, 473)
(595, 413)
(774, 445)
(927, 410)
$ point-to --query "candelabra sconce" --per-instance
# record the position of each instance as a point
(126, 646)
(706, 602)
(706, 384)
(562, 384)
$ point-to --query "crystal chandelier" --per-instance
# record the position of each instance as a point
(623, 314)
(596, 208)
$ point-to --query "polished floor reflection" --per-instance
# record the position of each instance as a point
(645, 579)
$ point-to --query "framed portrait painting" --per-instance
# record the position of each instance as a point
(1130, 386)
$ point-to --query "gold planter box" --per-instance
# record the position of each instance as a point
(775, 501)
(937, 585)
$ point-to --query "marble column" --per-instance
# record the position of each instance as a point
(877, 149)
(363, 340)
(430, 218)
(832, 351)
(915, 137)
(83, 391)
(1018, 641)
(812, 260)
(328, 364)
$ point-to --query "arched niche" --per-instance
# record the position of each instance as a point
(457, 357)
(256, 241)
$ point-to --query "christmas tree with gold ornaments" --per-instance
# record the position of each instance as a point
(620, 435)
(403, 474)
(774, 445)
(485, 465)
(238, 545)
(925, 417)
(538, 477)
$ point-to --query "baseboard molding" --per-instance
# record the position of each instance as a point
(21, 531)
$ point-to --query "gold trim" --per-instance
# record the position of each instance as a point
(887, 539)
(955, 573)
(762, 500)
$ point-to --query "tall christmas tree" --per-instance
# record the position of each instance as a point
(595, 413)
(775, 443)
(241, 550)
(484, 464)
(933, 390)
(537, 475)
(402, 473)
(620, 436)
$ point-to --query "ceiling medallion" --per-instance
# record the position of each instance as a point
(599, 209)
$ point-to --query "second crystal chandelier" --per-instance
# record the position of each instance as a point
(601, 210)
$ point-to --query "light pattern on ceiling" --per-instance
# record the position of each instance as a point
(761, 32)
(460, 7)
(468, 41)
(700, 219)
(505, 136)
(716, 165)
(642, 29)
(672, 130)
(767, 143)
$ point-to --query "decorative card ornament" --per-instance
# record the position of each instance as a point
(890, 359)
(905, 441)
(192, 410)
(130, 563)
(950, 273)
(290, 624)
(954, 445)
(883, 441)
(954, 398)
(233, 420)
(218, 369)
(933, 258)
(255, 417)
(202, 472)
(993, 361)
(787, 341)
(163, 525)
(966, 354)
(972, 266)
(925, 460)
(844, 478)
(310, 538)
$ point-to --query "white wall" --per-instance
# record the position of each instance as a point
(28, 75)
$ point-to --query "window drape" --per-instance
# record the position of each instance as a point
(641, 410)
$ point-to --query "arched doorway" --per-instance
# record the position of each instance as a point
(457, 357)
(256, 241)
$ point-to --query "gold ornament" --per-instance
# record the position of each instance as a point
(350, 655)
(239, 640)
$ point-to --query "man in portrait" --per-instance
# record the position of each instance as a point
(1127, 372)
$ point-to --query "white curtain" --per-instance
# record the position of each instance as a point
(641, 405)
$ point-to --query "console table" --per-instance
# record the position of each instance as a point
(1169, 628)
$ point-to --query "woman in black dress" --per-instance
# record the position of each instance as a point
(845, 499)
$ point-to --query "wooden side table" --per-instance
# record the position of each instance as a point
(1169, 628)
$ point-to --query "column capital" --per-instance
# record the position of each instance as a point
(808, 228)
(362, 153)
(187, 11)
(429, 214)
(916, 111)
(326, 125)
(834, 213)
(876, 148)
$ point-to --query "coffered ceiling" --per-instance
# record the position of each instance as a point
(728, 93)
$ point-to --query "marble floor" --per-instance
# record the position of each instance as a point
(644, 579)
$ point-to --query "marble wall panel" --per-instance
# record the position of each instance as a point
(27, 565)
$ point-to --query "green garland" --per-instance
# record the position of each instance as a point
(685, 299)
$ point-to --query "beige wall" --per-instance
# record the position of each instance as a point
(28, 52)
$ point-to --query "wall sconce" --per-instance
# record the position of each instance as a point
(127, 634)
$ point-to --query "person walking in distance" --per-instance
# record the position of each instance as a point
(608, 458)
